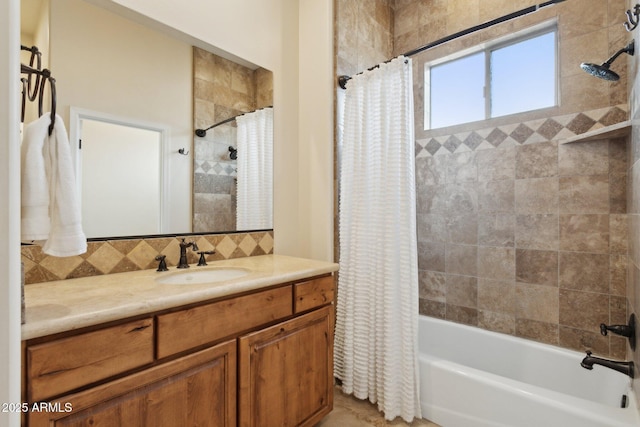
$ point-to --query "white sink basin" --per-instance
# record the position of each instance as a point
(198, 277)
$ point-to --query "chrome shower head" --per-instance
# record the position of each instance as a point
(603, 71)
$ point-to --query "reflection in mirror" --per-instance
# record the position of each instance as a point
(108, 63)
(224, 90)
(130, 201)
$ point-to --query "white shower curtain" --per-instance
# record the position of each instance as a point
(254, 209)
(377, 308)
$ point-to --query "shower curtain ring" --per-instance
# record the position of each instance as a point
(181, 151)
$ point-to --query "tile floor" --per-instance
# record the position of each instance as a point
(351, 412)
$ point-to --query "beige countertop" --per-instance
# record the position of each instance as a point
(65, 305)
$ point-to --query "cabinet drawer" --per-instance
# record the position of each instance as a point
(186, 329)
(313, 293)
(65, 364)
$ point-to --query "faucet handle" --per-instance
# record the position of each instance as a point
(162, 265)
(202, 260)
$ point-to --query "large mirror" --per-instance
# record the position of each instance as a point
(116, 75)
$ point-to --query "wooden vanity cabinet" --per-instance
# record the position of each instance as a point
(195, 390)
(260, 359)
(286, 372)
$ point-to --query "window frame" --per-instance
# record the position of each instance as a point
(488, 48)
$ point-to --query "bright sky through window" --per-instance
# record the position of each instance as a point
(522, 77)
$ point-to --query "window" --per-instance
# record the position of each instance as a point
(494, 80)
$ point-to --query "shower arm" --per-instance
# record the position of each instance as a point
(630, 49)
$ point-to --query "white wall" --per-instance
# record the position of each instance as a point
(10, 214)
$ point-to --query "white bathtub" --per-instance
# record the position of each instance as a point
(470, 377)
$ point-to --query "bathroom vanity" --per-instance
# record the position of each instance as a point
(126, 350)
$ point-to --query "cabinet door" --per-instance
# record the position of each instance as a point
(286, 372)
(195, 390)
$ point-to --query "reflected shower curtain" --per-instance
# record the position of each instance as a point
(254, 210)
(377, 308)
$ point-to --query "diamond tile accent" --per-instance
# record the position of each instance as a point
(549, 129)
(105, 258)
(116, 256)
(248, 244)
(496, 137)
(530, 132)
(473, 140)
(142, 255)
(452, 144)
(580, 124)
(226, 247)
(521, 133)
(432, 147)
(61, 267)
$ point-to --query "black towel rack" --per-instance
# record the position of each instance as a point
(33, 85)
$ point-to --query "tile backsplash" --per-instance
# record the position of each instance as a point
(130, 254)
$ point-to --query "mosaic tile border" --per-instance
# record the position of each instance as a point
(117, 256)
(216, 168)
(528, 132)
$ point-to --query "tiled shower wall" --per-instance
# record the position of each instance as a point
(633, 205)
(517, 233)
(222, 89)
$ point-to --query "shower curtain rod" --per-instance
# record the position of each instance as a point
(342, 80)
(202, 132)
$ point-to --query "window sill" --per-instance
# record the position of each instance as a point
(614, 131)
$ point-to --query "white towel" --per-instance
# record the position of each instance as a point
(50, 209)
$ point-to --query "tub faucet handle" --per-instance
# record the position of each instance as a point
(628, 330)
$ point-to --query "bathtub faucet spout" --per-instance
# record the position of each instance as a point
(626, 368)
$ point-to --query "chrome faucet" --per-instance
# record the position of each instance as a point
(183, 253)
(626, 368)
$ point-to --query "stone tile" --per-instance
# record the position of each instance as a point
(537, 231)
(537, 267)
(432, 285)
(462, 198)
(618, 265)
(584, 194)
(462, 228)
(535, 302)
(583, 310)
(497, 164)
(497, 322)
(496, 230)
(462, 290)
(349, 411)
(496, 296)
(584, 271)
(585, 158)
(496, 263)
(584, 233)
(431, 199)
(431, 170)
(536, 160)
(536, 196)
(537, 331)
(432, 308)
(496, 196)
(462, 167)
(618, 193)
(581, 340)
(465, 315)
(431, 256)
(461, 259)
(431, 227)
